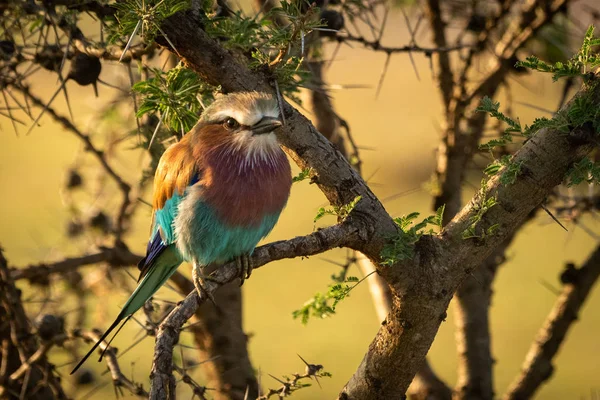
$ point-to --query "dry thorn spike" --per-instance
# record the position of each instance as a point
(137, 27)
(385, 67)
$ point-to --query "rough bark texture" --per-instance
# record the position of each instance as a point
(219, 336)
(306, 146)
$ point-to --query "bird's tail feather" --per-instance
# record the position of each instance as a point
(161, 270)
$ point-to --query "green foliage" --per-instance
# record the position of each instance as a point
(510, 170)
(144, 17)
(583, 171)
(581, 63)
(323, 305)
(279, 48)
(174, 95)
(304, 174)
(582, 109)
(481, 206)
(342, 212)
(492, 107)
(401, 247)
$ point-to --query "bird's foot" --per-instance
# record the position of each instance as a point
(199, 282)
(244, 264)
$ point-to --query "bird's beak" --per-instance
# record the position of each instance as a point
(265, 125)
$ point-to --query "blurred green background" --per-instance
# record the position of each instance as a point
(400, 130)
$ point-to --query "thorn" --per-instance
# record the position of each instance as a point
(155, 131)
(279, 380)
(553, 217)
(128, 45)
(45, 108)
(280, 102)
(385, 67)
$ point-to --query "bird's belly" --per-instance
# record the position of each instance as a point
(202, 237)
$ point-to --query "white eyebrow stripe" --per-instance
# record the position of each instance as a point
(244, 117)
(239, 116)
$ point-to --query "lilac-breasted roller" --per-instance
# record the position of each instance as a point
(217, 193)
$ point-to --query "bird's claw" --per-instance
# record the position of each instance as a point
(244, 265)
(199, 279)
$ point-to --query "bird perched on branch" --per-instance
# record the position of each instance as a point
(217, 193)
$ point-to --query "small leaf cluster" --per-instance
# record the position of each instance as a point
(481, 206)
(280, 48)
(510, 172)
(323, 305)
(342, 212)
(302, 175)
(583, 171)
(401, 247)
(143, 17)
(584, 61)
(174, 96)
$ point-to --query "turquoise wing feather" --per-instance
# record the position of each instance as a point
(161, 261)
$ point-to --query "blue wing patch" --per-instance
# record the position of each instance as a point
(162, 232)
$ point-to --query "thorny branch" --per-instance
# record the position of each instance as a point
(307, 151)
(168, 332)
(290, 385)
(538, 368)
(34, 377)
(115, 256)
(414, 320)
(325, 122)
(110, 355)
(410, 48)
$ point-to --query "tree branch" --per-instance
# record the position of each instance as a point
(168, 333)
(409, 48)
(115, 256)
(110, 355)
(538, 367)
(456, 150)
(38, 380)
(424, 285)
(438, 28)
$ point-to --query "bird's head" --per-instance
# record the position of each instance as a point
(241, 121)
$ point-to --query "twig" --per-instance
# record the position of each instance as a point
(41, 272)
(110, 355)
(410, 48)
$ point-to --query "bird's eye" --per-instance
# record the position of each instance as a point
(231, 123)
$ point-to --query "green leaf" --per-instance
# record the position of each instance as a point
(174, 96)
(401, 246)
(439, 216)
(304, 174)
(584, 171)
(342, 212)
(323, 305)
